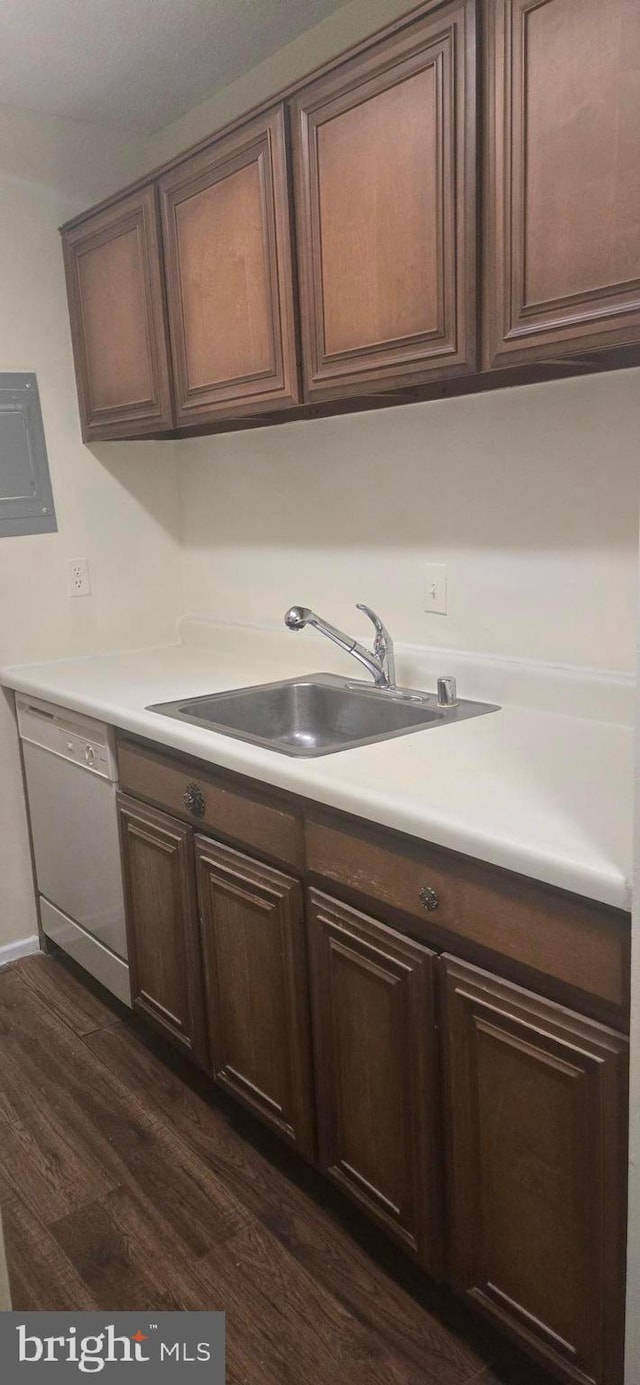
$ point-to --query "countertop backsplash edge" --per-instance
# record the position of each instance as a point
(572, 690)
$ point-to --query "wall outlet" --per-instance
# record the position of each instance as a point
(78, 577)
(435, 589)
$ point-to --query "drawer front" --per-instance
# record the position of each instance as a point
(198, 795)
(582, 945)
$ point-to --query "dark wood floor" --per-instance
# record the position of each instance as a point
(127, 1182)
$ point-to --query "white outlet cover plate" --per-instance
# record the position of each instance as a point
(435, 589)
(78, 577)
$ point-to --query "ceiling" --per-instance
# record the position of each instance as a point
(138, 63)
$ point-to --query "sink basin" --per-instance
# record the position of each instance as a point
(317, 715)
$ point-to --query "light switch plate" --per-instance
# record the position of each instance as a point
(435, 589)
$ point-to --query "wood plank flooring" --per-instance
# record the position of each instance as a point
(127, 1181)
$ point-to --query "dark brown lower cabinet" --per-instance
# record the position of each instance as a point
(481, 1125)
(376, 1071)
(252, 921)
(162, 925)
(535, 1102)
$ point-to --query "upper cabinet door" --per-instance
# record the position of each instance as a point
(385, 205)
(225, 214)
(562, 177)
(116, 305)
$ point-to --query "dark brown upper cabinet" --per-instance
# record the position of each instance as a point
(385, 209)
(116, 305)
(535, 1109)
(227, 319)
(562, 171)
(225, 216)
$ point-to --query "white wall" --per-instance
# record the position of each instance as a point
(339, 31)
(529, 495)
(116, 505)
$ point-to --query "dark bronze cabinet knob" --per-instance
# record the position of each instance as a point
(428, 897)
(194, 800)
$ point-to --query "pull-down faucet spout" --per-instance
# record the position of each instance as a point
(380, 663)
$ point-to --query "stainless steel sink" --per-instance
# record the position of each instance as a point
(317, 715)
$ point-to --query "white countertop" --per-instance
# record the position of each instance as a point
(543, 793)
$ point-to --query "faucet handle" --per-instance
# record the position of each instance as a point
(382, 645)
(382, 634)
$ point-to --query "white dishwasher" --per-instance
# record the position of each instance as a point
(71, 775)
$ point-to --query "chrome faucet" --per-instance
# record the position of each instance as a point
(380, 663)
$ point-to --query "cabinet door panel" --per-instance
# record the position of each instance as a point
(386, 211)
(227, 213)
(164, 954)
(230, 286)
(358, 149)
(256, 987)
(117, 320)
(535, 1100)
(375, 1053)
(563, 177)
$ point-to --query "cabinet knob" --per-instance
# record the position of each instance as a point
(194, 801)
(428, 897)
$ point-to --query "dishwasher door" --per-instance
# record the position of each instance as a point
(75, 843)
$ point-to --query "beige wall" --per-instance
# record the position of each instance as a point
(338, 32)
(530, 496)
(116, 505)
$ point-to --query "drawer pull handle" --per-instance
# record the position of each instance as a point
(194, 801)
(428, 897)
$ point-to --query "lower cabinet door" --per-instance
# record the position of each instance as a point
(376, 1071)
(252, 923)
(535, 1103)
(162, 923)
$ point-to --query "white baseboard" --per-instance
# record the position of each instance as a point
(10, 952)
